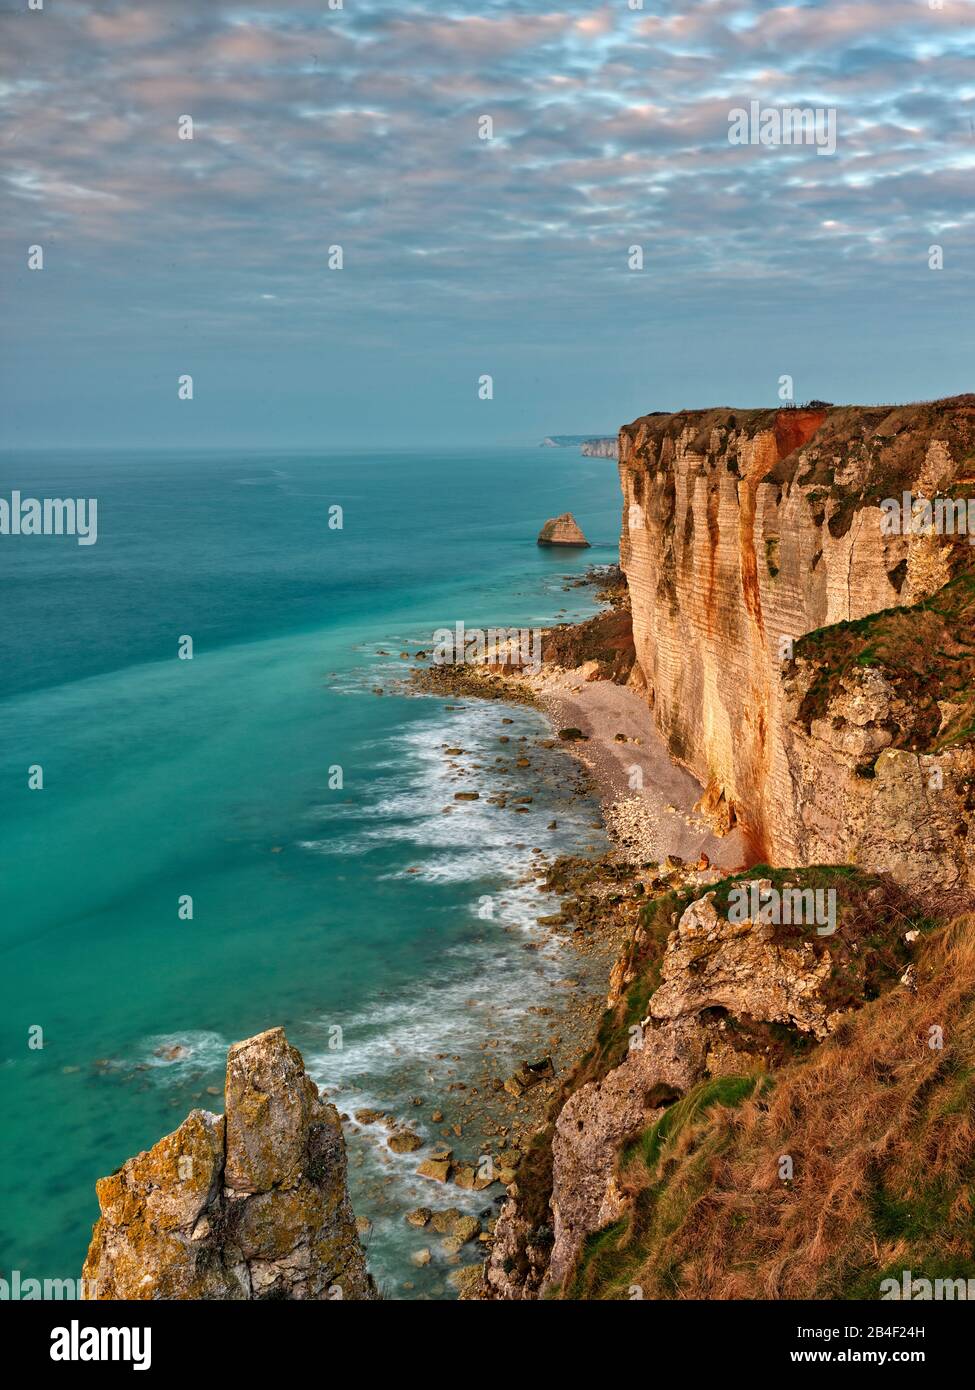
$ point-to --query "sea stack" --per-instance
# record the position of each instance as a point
(562, 530)
(249, 1205)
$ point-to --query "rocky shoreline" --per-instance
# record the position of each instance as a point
(659, 845)
(469, 1135)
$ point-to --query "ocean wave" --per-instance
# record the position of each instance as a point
(171, 1055)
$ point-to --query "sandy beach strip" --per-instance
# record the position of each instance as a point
(647, 799)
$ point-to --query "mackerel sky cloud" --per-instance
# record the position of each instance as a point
(359, 127)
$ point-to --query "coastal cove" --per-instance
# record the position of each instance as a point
(359, 909)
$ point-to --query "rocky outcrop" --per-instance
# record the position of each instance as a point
(562, 530)
(711, 962)
(731, 995)
(665, 1062)
(249, 1205)
(744, 530)
(605, 641)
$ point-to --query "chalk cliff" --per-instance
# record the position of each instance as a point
(600, 448)
(743, 531)
(252, 1204)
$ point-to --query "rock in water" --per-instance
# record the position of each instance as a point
(253, 1204)
(562, 530)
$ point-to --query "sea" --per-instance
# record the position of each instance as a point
(194, 848)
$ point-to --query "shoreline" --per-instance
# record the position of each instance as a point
(656, 818)
(502, 758)
(647, 811)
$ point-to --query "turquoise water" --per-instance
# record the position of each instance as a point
(312, 907)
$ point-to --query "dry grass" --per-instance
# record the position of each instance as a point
(880, 1127)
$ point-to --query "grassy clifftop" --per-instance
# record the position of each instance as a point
(878, 1127)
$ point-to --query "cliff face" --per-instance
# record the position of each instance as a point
(744, 530)
(600, 448)
(249, 1205)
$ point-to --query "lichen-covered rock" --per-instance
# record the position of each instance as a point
(270, 1106)
(250, 1205)
(562, 530)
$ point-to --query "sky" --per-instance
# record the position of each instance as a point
(360, 127)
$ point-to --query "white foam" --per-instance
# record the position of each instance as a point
(194, 1050)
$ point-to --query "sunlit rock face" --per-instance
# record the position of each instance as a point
(562, 530)
(248, 1205)
(743, 530)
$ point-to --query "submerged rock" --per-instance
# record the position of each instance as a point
(253, 1204)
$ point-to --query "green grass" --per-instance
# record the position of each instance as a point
(610, 1258)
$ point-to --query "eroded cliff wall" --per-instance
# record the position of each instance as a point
(743, 530)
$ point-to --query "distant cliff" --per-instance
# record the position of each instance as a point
(252, 1204)
(592, 445)
(601, 448)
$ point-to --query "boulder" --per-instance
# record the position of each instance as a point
(404, 1141)
(435, 1168)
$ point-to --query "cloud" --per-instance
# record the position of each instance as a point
(360, 126)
